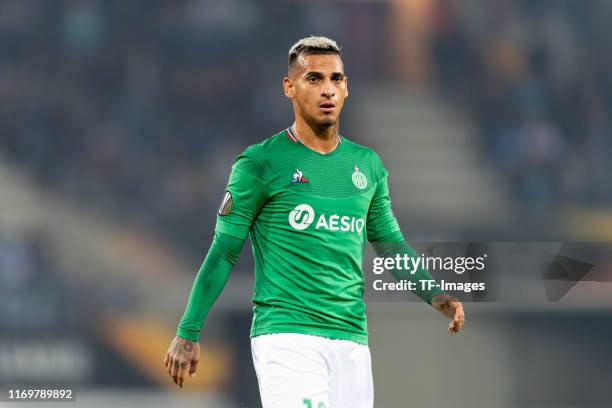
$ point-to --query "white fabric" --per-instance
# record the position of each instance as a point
(304, 371)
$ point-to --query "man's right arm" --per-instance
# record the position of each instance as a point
(245, 195)
(183, 355)
(209, 283)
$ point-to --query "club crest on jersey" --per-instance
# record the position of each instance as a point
(359, 179)
(226, 204)
(298, 177)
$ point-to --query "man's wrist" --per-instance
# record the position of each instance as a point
(187, 335)
(443, 298)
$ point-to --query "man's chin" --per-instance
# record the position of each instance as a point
(327, 122)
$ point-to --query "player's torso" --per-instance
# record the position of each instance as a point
(308, 240)
(319, 200)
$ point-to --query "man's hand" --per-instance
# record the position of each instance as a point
(182, 356)
(450, 307)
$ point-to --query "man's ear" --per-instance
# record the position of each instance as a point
(346, 86)
(288, 87)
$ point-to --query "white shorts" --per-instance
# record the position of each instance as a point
(304, 371)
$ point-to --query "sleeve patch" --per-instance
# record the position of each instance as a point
(226, 204)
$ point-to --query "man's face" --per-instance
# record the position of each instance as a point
(317, 86)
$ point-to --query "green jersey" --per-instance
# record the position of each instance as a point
(309, 216)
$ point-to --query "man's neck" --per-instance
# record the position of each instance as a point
(322, 140)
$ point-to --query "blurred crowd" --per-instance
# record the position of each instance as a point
(33, 297)
(137, 108)
(535, 75)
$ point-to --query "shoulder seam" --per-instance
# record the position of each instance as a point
(253, 176)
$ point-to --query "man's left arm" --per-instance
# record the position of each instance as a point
(385, 235)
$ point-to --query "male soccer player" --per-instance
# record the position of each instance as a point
(309, 198)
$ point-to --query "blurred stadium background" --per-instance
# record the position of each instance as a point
(119, 121)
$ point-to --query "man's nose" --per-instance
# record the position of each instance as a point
(328, 89)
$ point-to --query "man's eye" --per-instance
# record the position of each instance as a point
(312, 79)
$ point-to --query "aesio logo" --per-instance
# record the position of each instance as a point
(303, 215)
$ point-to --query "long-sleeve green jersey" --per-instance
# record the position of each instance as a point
(309, 216)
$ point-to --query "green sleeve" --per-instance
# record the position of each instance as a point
(386, 237)
(209, 283)
(381, 221)
(246, 193)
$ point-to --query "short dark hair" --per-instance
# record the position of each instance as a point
(313, 45)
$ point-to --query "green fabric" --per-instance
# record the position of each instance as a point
(309, 216)
(209, 283)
